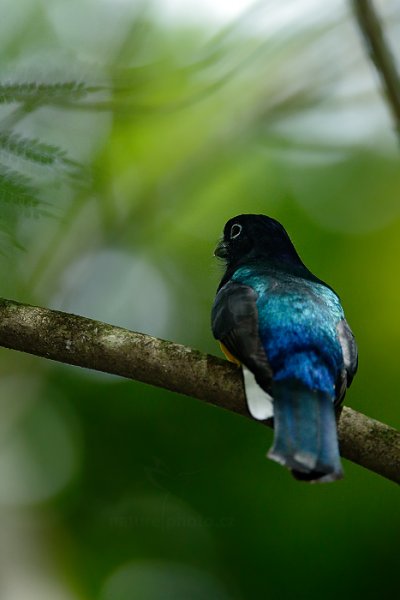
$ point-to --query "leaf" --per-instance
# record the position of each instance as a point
(16, 193)
(31, 149)
(44, 93)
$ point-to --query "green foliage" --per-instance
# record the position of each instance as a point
(37, 94)
(30, 149)
(133, 490)
(20, 194)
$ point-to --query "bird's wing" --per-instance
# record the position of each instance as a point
(234, 320)
(349, 349)
(350, 360)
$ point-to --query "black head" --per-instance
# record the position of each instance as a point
(253, 237)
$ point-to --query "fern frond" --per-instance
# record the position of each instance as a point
(44, 92)
(16, 193)
(31, 149)
(42, 154)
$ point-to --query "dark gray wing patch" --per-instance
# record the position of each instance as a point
(349, 349)
(234, 320)
(350, 359)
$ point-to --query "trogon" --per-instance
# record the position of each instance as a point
(287, 329)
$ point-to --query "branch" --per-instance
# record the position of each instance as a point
(83, 342)
(380, 54)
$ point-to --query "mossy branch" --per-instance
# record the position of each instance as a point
(87, 343)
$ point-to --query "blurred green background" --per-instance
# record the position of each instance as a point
(155, 123)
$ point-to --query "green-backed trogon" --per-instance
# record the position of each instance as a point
(287, 329)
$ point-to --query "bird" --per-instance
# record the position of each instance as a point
(287, 330)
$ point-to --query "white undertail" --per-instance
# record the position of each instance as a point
(260, 403)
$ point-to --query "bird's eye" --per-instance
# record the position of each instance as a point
(236, 230)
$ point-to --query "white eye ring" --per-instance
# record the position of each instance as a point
(236, 230)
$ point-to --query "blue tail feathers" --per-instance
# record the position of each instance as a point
(305, 438)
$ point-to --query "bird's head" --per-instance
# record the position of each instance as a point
(248, 238)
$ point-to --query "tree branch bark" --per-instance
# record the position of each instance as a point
(87, 343)
(380, 54)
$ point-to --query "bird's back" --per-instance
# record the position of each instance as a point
(298, 321)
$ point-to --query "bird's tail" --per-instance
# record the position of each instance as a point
(305, 438)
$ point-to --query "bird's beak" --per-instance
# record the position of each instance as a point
(221, 250)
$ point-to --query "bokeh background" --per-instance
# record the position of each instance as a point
(154, 123)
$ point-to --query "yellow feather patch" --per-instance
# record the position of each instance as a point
(228, 355)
